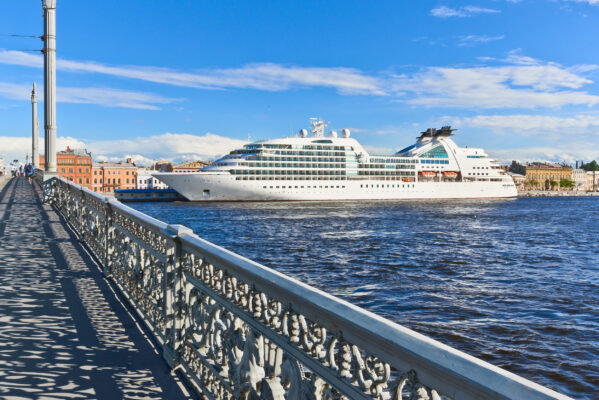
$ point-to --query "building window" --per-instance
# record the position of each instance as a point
(95, 180)
(80, 181)
(87, 181)
(119, 181)
(79, 170)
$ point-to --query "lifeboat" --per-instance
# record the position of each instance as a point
(428, 174)
(405, 180)
(450, 174)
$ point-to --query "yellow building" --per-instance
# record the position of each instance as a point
(191, 166)
(544, 176)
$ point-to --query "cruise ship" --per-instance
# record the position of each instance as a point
(321, 167)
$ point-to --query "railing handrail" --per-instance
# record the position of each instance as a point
(450, 371)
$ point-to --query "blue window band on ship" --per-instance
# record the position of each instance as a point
(436, 152)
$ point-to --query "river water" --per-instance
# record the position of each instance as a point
(514, 282)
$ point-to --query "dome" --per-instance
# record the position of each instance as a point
(345, 133)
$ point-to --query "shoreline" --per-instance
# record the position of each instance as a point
(555, 193)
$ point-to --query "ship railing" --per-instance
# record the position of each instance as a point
(237, 329)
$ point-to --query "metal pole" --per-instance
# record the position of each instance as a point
(34, 130)
(49, 7)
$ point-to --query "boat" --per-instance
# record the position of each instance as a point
(337, 167)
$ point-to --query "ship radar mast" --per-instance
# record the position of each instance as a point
(317, 126)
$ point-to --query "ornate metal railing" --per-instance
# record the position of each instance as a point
(239, 330)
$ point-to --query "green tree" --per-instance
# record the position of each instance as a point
(592, 166)
(530, 183)
(566, 183)
(553, 184)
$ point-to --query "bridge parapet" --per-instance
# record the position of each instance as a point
(238, 329)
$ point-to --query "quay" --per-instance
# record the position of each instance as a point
(101, 301)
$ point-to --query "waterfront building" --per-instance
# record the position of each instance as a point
(163, 166)
(519, 180)
(191, 166)
(579, 176)
(145, 180)
(74, 165)
(542, 175)
(108, 176)
(592, 180)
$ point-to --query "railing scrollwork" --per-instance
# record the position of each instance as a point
(240, 330)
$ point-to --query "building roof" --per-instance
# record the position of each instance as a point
(545, 165)
(113, 165)
(74, 152)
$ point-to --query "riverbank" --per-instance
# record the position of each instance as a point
(554, 193)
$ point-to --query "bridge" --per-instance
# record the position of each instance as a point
(99, 300)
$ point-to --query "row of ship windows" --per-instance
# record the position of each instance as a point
(291, 152)
(326, 158)
(340, 187)
(288, 146)
(319, 172)
(434, 161)
(302, 187)
(389, 186)
(288, 165)
(478, 173)
(386, 167)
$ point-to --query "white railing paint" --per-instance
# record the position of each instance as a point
(241, 330)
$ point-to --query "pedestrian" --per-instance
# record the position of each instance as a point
(29, 172)
(13, 169)
(21, 170)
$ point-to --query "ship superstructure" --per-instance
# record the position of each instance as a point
(337, 167)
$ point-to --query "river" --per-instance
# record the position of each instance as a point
(513, 282)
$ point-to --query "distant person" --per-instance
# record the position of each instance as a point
(13, 170)
(29, 172)
(21, 170)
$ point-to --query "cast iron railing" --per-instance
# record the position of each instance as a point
(240, 330)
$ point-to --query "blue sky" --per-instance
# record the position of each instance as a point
(192, 79)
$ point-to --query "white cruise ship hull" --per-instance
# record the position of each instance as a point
(202, 186)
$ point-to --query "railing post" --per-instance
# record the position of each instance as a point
(108, 232)
(173, 295)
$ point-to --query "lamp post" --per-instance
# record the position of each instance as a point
(49, 51)
(34, 130)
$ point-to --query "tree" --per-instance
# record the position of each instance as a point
(566, 183)
(553, 184)
(592, 166)
(530, 183)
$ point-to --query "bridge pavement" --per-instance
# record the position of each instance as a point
(63, 331)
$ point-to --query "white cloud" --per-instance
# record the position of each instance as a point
(570, 153)
(100, 96)
(471, 40)
(512, 86)
(261, 76)
(534, 124)
(523, 82)
(462, 12)
(170, 146)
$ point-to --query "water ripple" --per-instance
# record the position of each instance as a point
(514, 282)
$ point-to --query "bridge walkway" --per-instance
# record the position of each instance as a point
(64, 333)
